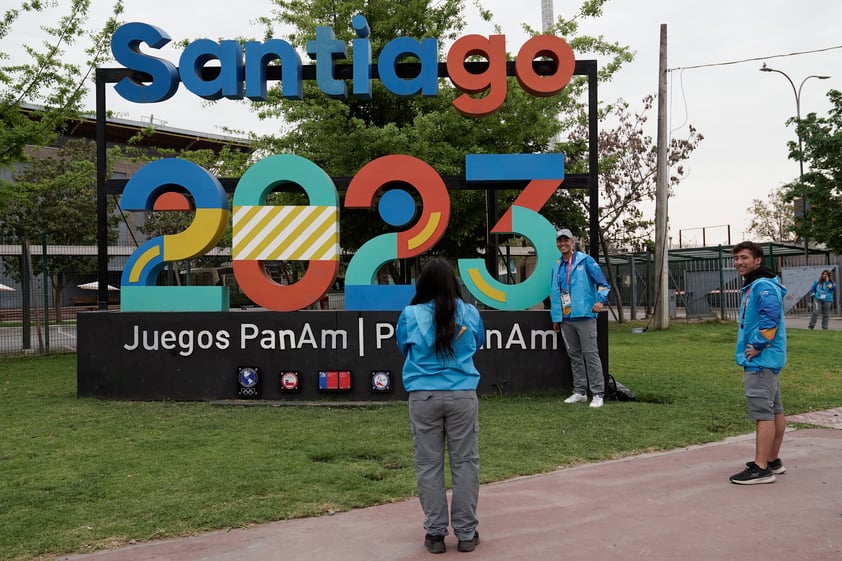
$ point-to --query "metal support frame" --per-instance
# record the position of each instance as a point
(588, 181)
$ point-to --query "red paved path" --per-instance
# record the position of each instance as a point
(673, 506)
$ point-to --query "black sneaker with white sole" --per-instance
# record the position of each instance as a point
(753, 475)
(776, 466)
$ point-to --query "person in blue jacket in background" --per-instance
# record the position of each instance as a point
(438, 334)
(577, 294)
(822, 294)
(761, 351)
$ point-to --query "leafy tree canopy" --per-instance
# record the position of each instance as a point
(628, 171)
(54, 202)
(773, 218)
(822, 186)
(628, 177)
(342, 135)
(43, 77)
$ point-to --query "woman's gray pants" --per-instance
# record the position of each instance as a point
(823, 307)
(437, 417)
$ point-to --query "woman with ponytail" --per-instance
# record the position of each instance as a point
(438, 334)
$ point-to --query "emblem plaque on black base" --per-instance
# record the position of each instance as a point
(290, 381)
(381, 381)
(248, 382)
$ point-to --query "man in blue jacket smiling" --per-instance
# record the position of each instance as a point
(577, 295)
(761, 351)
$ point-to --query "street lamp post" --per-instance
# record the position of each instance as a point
(797, 92)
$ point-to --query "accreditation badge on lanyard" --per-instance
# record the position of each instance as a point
(565, 302)
(565, 294)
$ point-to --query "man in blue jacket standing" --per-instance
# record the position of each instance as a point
(761, 351)
(577, 295)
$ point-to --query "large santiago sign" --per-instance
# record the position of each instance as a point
(242, 67)
(311, 233)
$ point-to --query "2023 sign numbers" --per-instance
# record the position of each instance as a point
(310, 233)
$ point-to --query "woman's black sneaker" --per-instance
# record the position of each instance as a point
(435, 544)
(753, 475)
(468, 545)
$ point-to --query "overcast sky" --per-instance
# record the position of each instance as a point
(740, 111)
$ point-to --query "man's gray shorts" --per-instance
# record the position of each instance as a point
(763, 393)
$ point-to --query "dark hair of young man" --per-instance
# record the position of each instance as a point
(755, 249)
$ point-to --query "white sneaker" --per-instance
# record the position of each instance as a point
(576, 398)
(596, 401)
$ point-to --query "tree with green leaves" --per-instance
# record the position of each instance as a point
(54, 202)
(43, 77)
(627, 178)
(773, 218)
(343, 135)
(822, 186)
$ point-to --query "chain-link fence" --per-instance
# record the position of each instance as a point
(40, 299)
(43, 286)
(704, 284)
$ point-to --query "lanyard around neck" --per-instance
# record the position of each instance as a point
(569, 266)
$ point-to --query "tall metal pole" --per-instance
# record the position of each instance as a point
(101, 197)
(797, 93)
(662, 318)
(593, 163)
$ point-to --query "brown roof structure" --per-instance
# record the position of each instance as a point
(119, 131)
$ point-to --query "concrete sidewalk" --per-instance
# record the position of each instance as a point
(670, 506)
(801, 321)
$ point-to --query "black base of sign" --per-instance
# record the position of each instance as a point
(197, 356)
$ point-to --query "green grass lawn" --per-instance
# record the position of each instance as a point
(82, 474)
